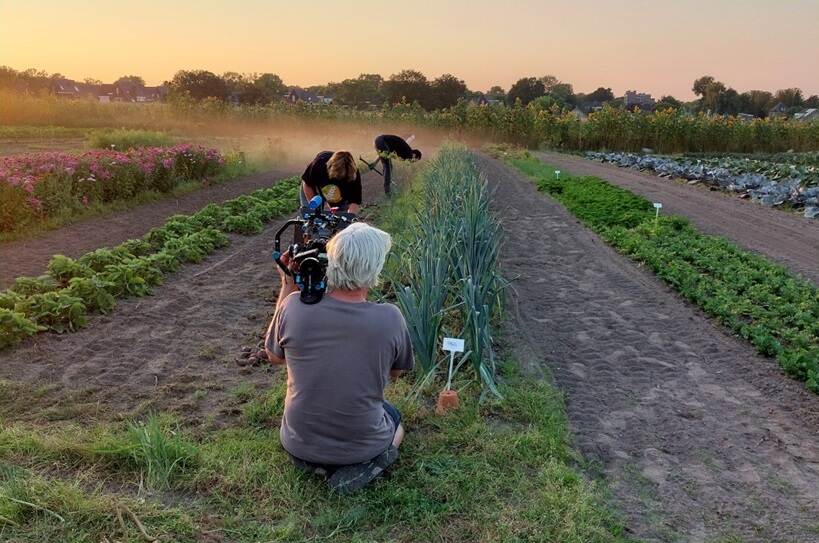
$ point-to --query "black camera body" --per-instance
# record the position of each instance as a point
(312, 231)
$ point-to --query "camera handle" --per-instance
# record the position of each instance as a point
(277, 245)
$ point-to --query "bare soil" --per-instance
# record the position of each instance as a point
(174, 351)
(39, 145)
(30, 256)
(697, 436)
(787, 238)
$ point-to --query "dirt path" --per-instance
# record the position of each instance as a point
(172, 351)
(697, 436)
(787, 238)
(30, 256)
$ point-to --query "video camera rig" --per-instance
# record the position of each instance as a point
(316, 227)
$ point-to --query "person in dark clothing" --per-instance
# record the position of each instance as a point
(337, 177)
(389, 146)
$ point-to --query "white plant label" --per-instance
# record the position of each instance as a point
(658, 205)
(557, 174)
(453, 345)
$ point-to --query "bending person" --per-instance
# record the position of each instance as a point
(340, 354)
(336, 176)
(388, 146)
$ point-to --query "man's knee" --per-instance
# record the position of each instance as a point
(399, 436)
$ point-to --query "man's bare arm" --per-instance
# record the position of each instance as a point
(288, 287)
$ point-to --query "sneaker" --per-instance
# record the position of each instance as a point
(351, 478)
(308, 467)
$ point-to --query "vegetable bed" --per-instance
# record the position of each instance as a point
(775, 310)
(771, 179)
(61, 299)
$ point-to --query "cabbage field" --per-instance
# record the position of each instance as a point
(771, 179)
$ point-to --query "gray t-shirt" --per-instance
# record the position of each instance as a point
(339, 356)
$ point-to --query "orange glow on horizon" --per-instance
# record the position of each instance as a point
(658, 47)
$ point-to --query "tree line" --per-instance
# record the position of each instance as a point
(412, 86)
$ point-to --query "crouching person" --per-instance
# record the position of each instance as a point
(340, 355)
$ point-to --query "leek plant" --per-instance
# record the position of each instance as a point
(449, 275)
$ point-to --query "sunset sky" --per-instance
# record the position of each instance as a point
(659, 46)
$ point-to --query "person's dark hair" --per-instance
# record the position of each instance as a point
(416, 154)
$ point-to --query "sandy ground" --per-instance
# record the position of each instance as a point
(696, 435)
(173, 351)
(787, 238)
(31, 256)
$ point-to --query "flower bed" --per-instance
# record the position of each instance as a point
(39, 185)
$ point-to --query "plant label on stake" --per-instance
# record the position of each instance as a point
(452, 345)
(657, 207)
(557, 174)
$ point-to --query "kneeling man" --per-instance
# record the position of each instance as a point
(340, 355)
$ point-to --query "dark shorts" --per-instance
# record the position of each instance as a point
(390, 409)
(394, 413)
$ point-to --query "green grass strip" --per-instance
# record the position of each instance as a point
(774, 309)
(60, 299)
(498, 470)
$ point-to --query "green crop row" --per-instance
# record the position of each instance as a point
(60, 299)
(762, 302)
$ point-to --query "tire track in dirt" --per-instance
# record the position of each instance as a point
(787, 238)
(697, 436)
(172, 351)
(31, 256)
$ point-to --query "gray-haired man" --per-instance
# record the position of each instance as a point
(340, 355)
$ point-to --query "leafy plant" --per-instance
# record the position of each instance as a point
(63, 269)
(94, 293)
(14, 327)
(28, 286)
(57, 311)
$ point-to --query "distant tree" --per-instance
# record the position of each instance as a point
(199, 84)
(409, 85)
(602, 94)
(36, 80)
(91, 81)
(547, 102)
(710, 92)
(8, 76)
(789, 97)
(666, 102)
(269, 87)
(447, 90)
(241, 88)
(756, 102)
(496, 93)
(549, 82)
(135, 79)
(701, 85)
(562, 93)
(729, 102)
(526, 90)
(319, 90)
(363, 91)
(812, 102)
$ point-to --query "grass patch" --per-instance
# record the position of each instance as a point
(122, 139)
(491, 471)
(41, 132)
(764, 303)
